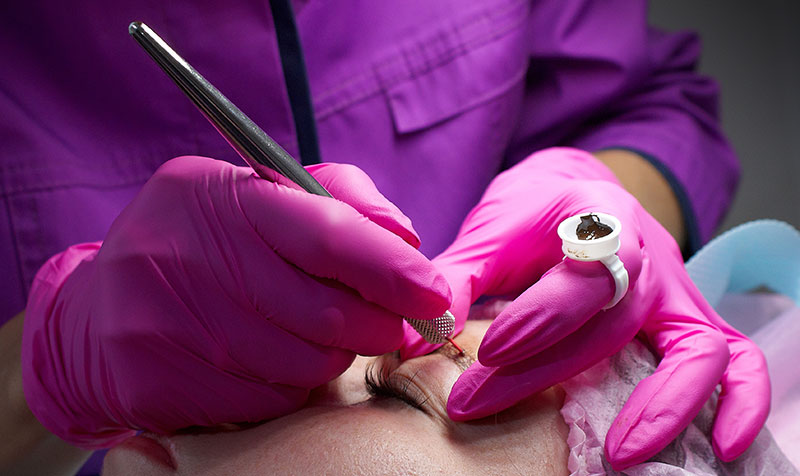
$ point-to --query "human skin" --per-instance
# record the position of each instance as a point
(346, 430)
(26, 447)
(22, 433)
(642, 180)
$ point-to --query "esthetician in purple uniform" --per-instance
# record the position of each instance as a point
(216, 296)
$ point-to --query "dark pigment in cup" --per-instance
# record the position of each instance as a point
(591, 228)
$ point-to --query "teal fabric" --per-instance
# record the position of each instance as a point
(758, 253)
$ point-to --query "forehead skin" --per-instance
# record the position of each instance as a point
(343, 430)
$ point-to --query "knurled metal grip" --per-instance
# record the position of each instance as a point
(435, 331)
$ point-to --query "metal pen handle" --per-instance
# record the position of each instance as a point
(254, 145)
(263, 154)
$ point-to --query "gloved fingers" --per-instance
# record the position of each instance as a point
(744, 401)
(244, 401)
(414, 345)
(272, 340)
(555, 306)
(236, 275)
(482, 391)
(459, 276)
(318, 310)
(351, 185)
(276, 356)
(227, 387)
(695, 355)
(330, 239)
(325, 312)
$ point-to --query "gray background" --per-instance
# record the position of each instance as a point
(753, 50)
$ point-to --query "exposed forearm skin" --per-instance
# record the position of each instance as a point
(644, 182)
(26, 447)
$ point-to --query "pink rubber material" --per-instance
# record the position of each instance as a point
(555, 328)
(218, 296)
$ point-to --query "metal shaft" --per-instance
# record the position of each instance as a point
(257, 148)
(254, 145)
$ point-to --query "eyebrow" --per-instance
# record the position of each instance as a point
(462, 359)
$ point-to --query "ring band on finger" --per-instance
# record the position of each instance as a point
(595, 236)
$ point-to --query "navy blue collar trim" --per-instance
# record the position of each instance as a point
(296, 79)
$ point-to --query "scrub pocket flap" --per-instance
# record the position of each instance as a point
(456, 68)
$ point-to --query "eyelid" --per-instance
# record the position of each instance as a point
(423, 382)
(397, 385)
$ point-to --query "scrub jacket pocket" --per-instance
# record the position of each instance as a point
(454, 69)
(429, 115)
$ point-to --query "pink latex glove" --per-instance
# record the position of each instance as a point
(218, 297)
(555, 328)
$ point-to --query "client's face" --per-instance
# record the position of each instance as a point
(394, 421)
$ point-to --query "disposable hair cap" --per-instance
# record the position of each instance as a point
(757, 253)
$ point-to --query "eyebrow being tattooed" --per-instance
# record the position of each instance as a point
(462, 359)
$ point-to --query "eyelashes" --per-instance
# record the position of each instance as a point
(381, 383)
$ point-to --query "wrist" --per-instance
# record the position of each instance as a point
(28, 448)
(642, 180)
(15, 413)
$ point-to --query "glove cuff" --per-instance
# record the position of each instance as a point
(567, 162)
(48, 383)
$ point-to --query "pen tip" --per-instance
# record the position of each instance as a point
(460, 350)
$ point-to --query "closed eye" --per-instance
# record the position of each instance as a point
(381, 383)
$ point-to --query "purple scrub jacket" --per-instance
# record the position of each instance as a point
(430, 97)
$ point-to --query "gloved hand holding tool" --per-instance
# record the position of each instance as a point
(557, 327)
(218, 296)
